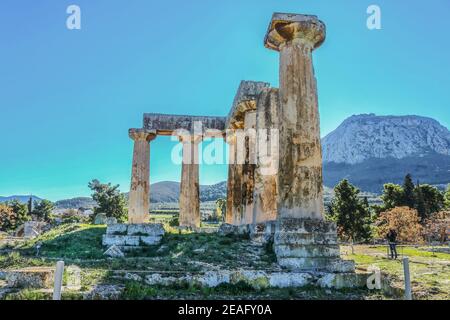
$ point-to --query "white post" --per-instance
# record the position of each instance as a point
(408, 294)
(58, 280)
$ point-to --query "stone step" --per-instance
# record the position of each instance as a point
(147, 229)
(126, 240)
(307, 251)
(295, 225)
(305, 238)
(317, 264)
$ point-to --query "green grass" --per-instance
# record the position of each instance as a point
(430, 272)
(71, 241)
(185, 251)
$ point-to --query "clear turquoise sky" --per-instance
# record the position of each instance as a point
(67, 98)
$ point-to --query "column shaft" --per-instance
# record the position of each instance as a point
(300, 174)
(139, 196)
(189, 186)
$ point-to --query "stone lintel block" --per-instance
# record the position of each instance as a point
(146, 229)
(167, 124)
(305, 225)
(317, 264)
(307, 251)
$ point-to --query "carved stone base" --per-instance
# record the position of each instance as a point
(309, 245)
(133, 236)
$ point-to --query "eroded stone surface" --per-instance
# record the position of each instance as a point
(32, 278)
(129, 236)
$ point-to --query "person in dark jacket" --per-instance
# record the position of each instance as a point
(392, 239)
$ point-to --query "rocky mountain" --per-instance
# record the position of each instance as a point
(371, 150)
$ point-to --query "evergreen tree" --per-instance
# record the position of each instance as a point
(43, 210)
(432, 198)
(30, 205)
(420, 202)
(20, 211)
(447, 198)
(351, 214)
(409, 198)
(109, 200)
(393, 196)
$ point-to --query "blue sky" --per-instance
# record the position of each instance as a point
(68, 97)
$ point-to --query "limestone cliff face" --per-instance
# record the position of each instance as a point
(368, 136)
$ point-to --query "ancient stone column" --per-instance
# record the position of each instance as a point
(248, 169)
(231, 140)
(139, 197)
(300, 174)
(265, 194)
(190, 185)
(303, 240)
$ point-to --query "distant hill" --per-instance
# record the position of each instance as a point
(20, 198)
(160, 192)
(75, 203)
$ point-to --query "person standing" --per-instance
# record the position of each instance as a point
(392, 240)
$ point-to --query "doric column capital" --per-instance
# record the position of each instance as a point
(230, 136)
(142, 134)
(294, 28)
(190, 138)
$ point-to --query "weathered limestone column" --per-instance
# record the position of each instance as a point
(231, 140)
(300, 174)
(303, 240)
(248, 169)
(190, 185)
(265, 202)
(139, 202)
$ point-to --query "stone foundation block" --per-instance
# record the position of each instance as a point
(308, 244)
(30, 278)
(133, 236)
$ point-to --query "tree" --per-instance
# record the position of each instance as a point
(109, 200)
(393, 196)
(429, 200)
(7, 218)
(436, 226)
(221, 208)
(21, 212)
(404, 220)
(43, 209)
(409, 197)
(30, 206)
(447, 198)
(351, 214)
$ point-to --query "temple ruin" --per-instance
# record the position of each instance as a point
(276, 197)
